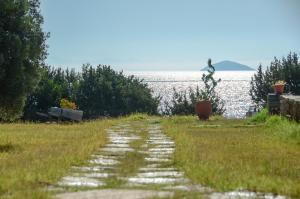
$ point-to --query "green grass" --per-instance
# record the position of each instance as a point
(230, 154)
(257, 155)
(33, 156)
(260, 117)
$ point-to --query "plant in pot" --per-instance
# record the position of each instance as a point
(279, 87)
(64, 103)
(207, 101)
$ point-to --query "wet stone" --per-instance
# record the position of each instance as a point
(101, 156)
(245, 195)
(80, 181)
(197, 188)
(98, 175)
(118, 145)
(152, 174)
(167, 152)
(157, 169)
(161, 180)
(93, 168)
(161, 149)
(161, 142)
(157, 159)
(117, 150)
(104, 161)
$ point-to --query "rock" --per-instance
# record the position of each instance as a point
(290, 106)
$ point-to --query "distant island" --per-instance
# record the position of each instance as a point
(229, 66)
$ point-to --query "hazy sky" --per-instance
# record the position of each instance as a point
(169, 34)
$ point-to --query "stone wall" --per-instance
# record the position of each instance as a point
(290, 106)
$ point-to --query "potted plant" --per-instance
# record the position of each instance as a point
(279, 87)
(203, 109)
(64, 103)
(208, 100)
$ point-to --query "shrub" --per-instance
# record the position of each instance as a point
(54, 85)
(278, 125)
(105, 92)
(98, 91)
(260, 117)
(183, 103)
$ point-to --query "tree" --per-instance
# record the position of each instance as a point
(259, 88)
(105, 92)
(22, 52)
(54, 85)
(286, 69)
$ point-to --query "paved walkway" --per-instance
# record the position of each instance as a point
(156, 171)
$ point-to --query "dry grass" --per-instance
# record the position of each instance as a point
(229, 154)
(33, 156)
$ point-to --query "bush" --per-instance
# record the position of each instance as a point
(54, 85)
(183, 103)
(260, 117)
(278, 125)
(284, 128)
(98, 91)
(105, 92)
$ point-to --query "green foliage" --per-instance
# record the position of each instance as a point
(284, 128)
(98, 91)
(274, 120)
(54, 85)
(287, 69)
(103, 91)
(260, 117)
(183, 103)
(22, 52)
(278, 125)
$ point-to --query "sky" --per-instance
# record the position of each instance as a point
(169, 34)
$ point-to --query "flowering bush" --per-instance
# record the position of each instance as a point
(64, 103)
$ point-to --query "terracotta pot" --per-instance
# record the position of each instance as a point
(279, 88)
(203, 109)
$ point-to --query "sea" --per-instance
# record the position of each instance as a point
(233, 88)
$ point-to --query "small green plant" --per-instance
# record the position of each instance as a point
(260, 117)
(274, 120)
(209, 90)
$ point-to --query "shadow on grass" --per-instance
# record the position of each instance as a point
(5, 148)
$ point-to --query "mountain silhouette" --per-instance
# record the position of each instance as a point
(229, 66)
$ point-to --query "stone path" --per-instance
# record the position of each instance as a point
(155, 171)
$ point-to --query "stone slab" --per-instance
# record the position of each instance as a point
(115, 194)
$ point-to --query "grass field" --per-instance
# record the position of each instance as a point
(258, 155)
(33, 156)
(231, 154)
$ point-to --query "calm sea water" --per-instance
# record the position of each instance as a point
(233, 89)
